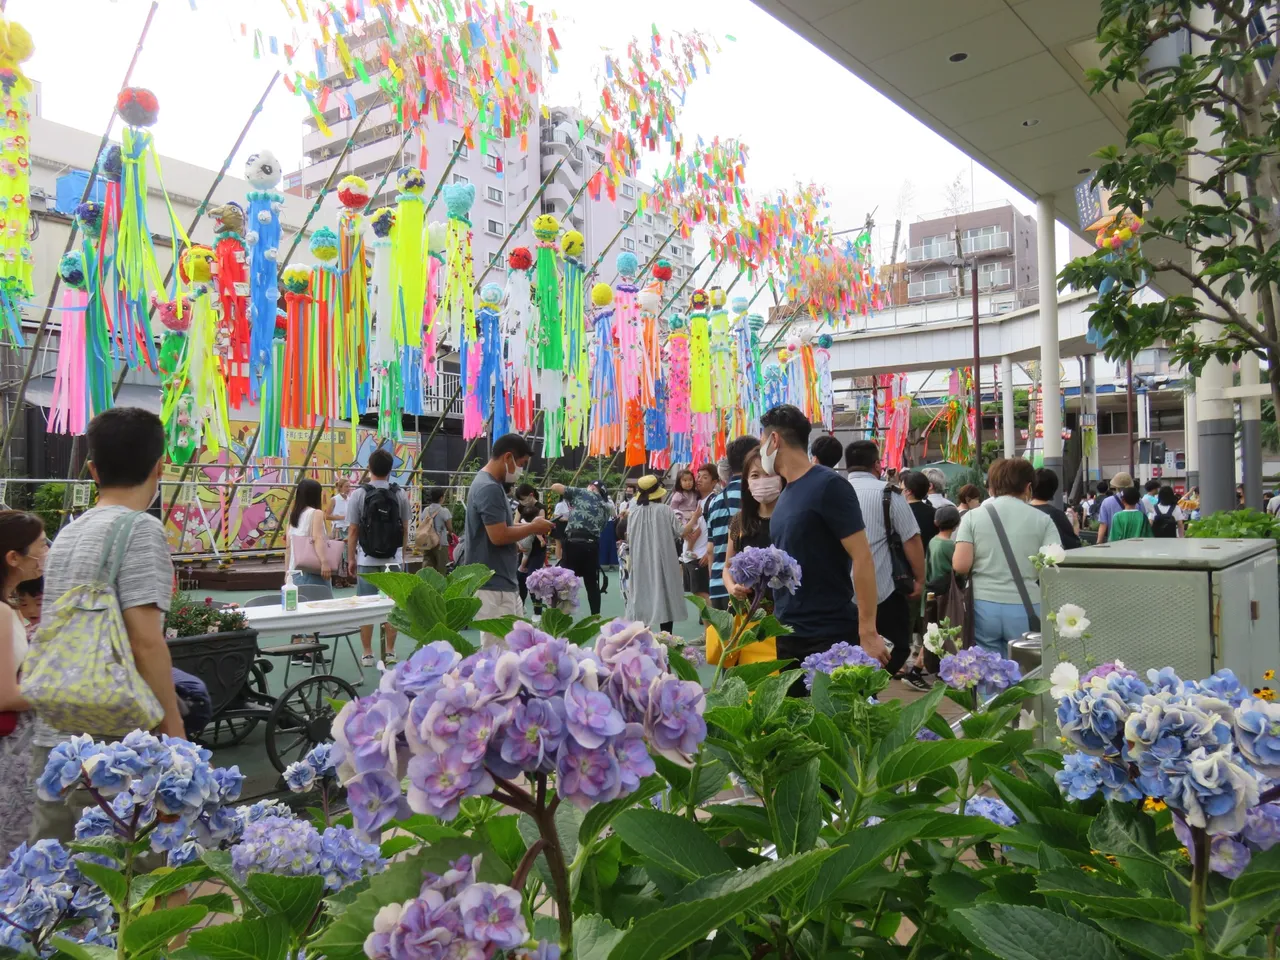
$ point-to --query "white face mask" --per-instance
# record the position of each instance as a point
(765, 489)
(514, 475)
(769, 453)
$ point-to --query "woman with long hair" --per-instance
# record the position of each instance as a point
(684, 499)
(749, 528)
(654, 593)
(306, 523)
(23, 547)
(533, 549)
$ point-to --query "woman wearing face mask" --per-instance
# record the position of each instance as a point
(23, 547)
(533, 548)
(749, 528)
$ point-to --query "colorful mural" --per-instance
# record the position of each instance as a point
(207, 518)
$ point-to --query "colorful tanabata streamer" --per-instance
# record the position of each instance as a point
(606, 400)
(262, 237)
(323, 355)
(699, 331)
(551, 359)
(409, 270)
(69, 407)
(15, 182)
(519, 325)
(458, 299)
(199, 400)
(679, 413)
(231, 282)
(437, 248)
(482, 361)
(576, 355)
(292, 380)
(385, 361)
(352, 320)
(177, 402)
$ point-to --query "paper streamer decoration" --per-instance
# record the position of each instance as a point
(231, 283)
(98, 361)
(326, 383)
(551, 359)
(628, 330)
(119, 315)
(352, 320)
(606, 399)
(16, 260)
(408, 239)
(202, 397)
(262, 238)
(293, 381)
(699, 353)
(458, 301)
(177, 405)
(577, 357)
(385, 359)
(519, 324)
(270, 404)
(826, 395)
(679, 411)
(69, 407)
(482, 370)
(437, 247)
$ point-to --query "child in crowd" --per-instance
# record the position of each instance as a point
(938, 586)
(1131, 521)
(29, 595)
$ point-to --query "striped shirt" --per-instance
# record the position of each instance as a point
(870, 491)
(720, 510)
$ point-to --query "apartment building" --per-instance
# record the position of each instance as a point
(1001, 239)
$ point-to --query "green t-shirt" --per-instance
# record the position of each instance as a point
(1127, 524)
(938, 566)
(1028, 530)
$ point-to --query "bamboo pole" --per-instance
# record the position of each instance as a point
(71, 239)
(524, 214)
(609, 246)
(675, 296)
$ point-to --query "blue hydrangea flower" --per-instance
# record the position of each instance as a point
(299, 776)
(838, 655)
(1257, 734)
(980, 669)
(758, 567)
(993, 809)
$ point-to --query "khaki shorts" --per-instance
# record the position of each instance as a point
(497, 603)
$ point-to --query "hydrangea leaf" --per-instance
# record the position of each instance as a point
(1090, 890)
(111, 881)
(293, 898)
(1121, 829)
(1018, 932)
(1150, 939)
(594, 937)
(153, 930)
(165, 881)
(914, 760)
(460, 611)
(795, 810)
(466, 580)
(913, 716)
(555, 622)
(769, 695)
(77, 951)
(602, 814)
(259, 938)
(752, 674)
(672, 843)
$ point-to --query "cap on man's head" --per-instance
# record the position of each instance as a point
(1121, 480)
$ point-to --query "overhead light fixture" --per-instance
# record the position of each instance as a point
(958, 57)
(1030, 123)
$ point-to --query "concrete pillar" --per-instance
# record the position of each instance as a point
(1215, 415)
(1250, 417)
(1089, 405)
(1142, 403)
(1006, 413)
(1191, 439)
(1050, 376)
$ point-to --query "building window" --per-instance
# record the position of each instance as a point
(495, 227)
(648, 220)
(464, 152)
(936, 275)
(647, 239)
(628, 191)
(675, 250)
(981, 231)
(628, 244)
(493, 259)
(934, 241)
(459, 178)
(494, 194)
(490, 162)
(1112, 424)
(1173, 419)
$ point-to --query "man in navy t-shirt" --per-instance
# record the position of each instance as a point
(817, 520)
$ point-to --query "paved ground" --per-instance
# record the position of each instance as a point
(251, 755)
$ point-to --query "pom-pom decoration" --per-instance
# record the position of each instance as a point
(110, 163)
(410, 180)
(546, 227)
(324, 245)
(71, 270)
(602, 295)
(138, 107)
(572, 244)
(262, 170)
(195, 264)
(627, 264)
(662, 271)
(520, 258)
(381, 221)
(89, 216)
(353, 192)
(296, 278)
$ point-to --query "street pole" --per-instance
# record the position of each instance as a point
(977, 371)
(1128, 415)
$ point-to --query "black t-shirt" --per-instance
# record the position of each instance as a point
(923, 511)
(813, 514)
(1070, 541)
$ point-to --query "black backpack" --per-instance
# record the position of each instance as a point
(381, 525)
(1163, 524)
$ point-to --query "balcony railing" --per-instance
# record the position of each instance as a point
(985, 242)
(932, 251)
(930, 288)
(994, 278)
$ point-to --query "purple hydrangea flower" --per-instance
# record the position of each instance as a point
(525, 635)
(375, 800)
(586, 776)
(674, 720)
(299, 776)
(1262, 826)
(591, 716)
(491, 914)
(758, 567)
(1105, 670)
(633, 674)
(438, 782)
(425, 928)
(542, 950)
(365, 732)
(1257, 734)
(993, 809)
(838, 655)
(422, 672)
(634, 762)
(555, 586)
(618, 637)
(548, 668)
(536, 730)
(1227, 855)
(924, 733)
(975, 667)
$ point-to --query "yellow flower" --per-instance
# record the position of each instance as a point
(1152, 805)
(1114, 861)
(1264, 693)
(1088, 869)
(1268, 675)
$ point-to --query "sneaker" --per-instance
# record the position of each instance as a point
(366, 660)
(914, 678)
(389, 659)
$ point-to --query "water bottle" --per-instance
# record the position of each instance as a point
(289, 594)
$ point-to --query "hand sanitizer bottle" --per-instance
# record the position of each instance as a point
(289, 594)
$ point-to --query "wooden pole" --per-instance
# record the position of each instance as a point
(71, 239)
(675, 296)
(609, 246)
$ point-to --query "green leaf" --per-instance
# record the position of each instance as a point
(442, 631)
(914, 760)
(433, 578)
(594, 937)
(293, 898)
(795, 810)
(426, 608)
(602, 814)
(80, 951)
(956, 888)
(585, 630)
(166, 880)
(709, 904)
(672, 843)
(498, 626)
(750, 818)
(216, 902)
(1020, 691)
(752, 673)
(153, 930)
(259, 938)
(460, 611)
(1150, 939)
(466, 580)
(731, 693)
(1014, 932)
(398, 586)
(111, 881)
(1090, 890)
(913, 717)
(219, 861)
(681, 667)
(1122, 830)
(769, 695)
(397, 844)
(857, 852)
(1262, 876)
(503, 834)
(735, 721)
(555, 622)
(100, 846)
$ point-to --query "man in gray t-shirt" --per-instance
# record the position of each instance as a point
(381, 463)
(490, 534)
(126, 450)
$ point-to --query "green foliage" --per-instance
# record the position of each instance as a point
(188, 617)
(1236, 524)
(47, 505)
(961, 478)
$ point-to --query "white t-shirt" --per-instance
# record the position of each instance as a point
(561, 511)
(699, 549)
(1177, 512)
(338, 511)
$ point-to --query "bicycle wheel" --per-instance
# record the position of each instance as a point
(303, 717)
